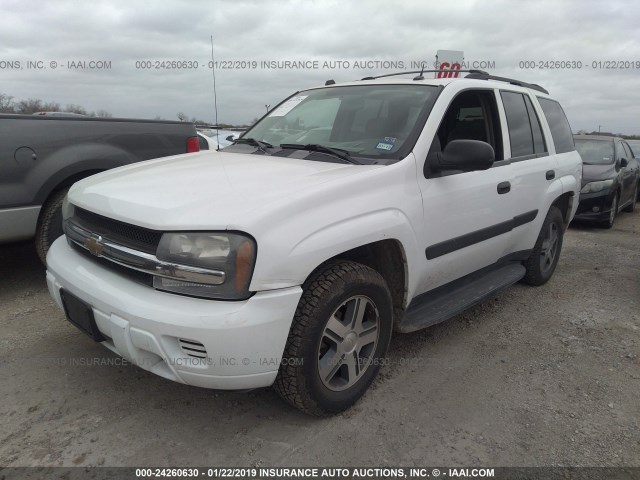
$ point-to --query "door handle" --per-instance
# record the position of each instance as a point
(504, 187)
(551, 174)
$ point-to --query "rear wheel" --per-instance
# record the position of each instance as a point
(545, 255)
(50, 223)
(338, 340)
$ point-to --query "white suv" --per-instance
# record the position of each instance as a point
(347, 212)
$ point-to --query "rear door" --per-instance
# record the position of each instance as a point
(533, 168)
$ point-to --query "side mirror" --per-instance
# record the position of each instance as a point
(230, 138)
(465, 155)
(624, 162)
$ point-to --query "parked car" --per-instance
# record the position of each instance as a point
(609, 180)
(59, 114)
(41, 156)
(347, 212)
(210, 139)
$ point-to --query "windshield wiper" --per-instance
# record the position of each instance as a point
(314, 147)
(262, 146)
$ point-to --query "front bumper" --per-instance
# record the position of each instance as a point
(600, 201)
(244, 341)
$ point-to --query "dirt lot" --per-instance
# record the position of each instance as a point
(535, 376)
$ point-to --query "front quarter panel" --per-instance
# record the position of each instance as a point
(379, 204)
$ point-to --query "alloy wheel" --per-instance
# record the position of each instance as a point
(348, 343)
(549, 249)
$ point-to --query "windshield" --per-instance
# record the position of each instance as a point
(366, 121)
(595, 152)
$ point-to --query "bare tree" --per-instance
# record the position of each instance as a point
(7, 105)
(182, 117)
(72, 108)
(103, 114)
(51, 107)
(29, 106)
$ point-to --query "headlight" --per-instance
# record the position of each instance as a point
(594, 187)
(225, 260)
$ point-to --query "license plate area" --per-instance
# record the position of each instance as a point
(80, 314)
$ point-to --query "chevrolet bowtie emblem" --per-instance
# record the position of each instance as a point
(94, 245)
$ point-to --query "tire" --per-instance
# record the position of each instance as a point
(545, 255)
(632, 206)
(50, 223)
(321, 338)
(613, 213)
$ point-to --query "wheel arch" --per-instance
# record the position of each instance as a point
(565, 204)
(389, 259)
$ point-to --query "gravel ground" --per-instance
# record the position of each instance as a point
(534, 376)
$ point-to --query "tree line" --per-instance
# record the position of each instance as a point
(9, 104)
(610, 134)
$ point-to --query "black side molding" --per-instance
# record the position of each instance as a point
(468, 239)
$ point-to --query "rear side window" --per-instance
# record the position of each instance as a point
(539, 145)
(518, 122)
(558, 124)
(525, 132)
(627, 151)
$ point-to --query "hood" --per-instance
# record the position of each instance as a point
(594, 173)
(198, 191)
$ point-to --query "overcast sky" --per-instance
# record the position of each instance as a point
(123, 32)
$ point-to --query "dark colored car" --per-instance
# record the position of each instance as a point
(41, 156)
(610, 176)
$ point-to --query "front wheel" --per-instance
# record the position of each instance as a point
(612, 213)
(634, 198)
(545, 255)
(338, 339)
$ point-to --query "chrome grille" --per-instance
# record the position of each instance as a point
(136, 276)
(138, 238)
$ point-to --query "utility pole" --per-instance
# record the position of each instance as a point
(267, 107)
(599, 127)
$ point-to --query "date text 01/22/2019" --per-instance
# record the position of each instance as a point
(579, 65)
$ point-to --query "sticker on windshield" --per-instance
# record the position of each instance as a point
(387, 144)
(287, 106)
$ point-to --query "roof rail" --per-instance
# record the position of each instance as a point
(487, 76)
(472, 75)
(481, 72)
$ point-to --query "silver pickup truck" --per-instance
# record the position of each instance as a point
(42, 156)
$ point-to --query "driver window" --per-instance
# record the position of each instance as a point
(472, 115)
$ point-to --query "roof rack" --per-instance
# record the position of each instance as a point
(487, 76)
(424, 71)
(472, 75)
